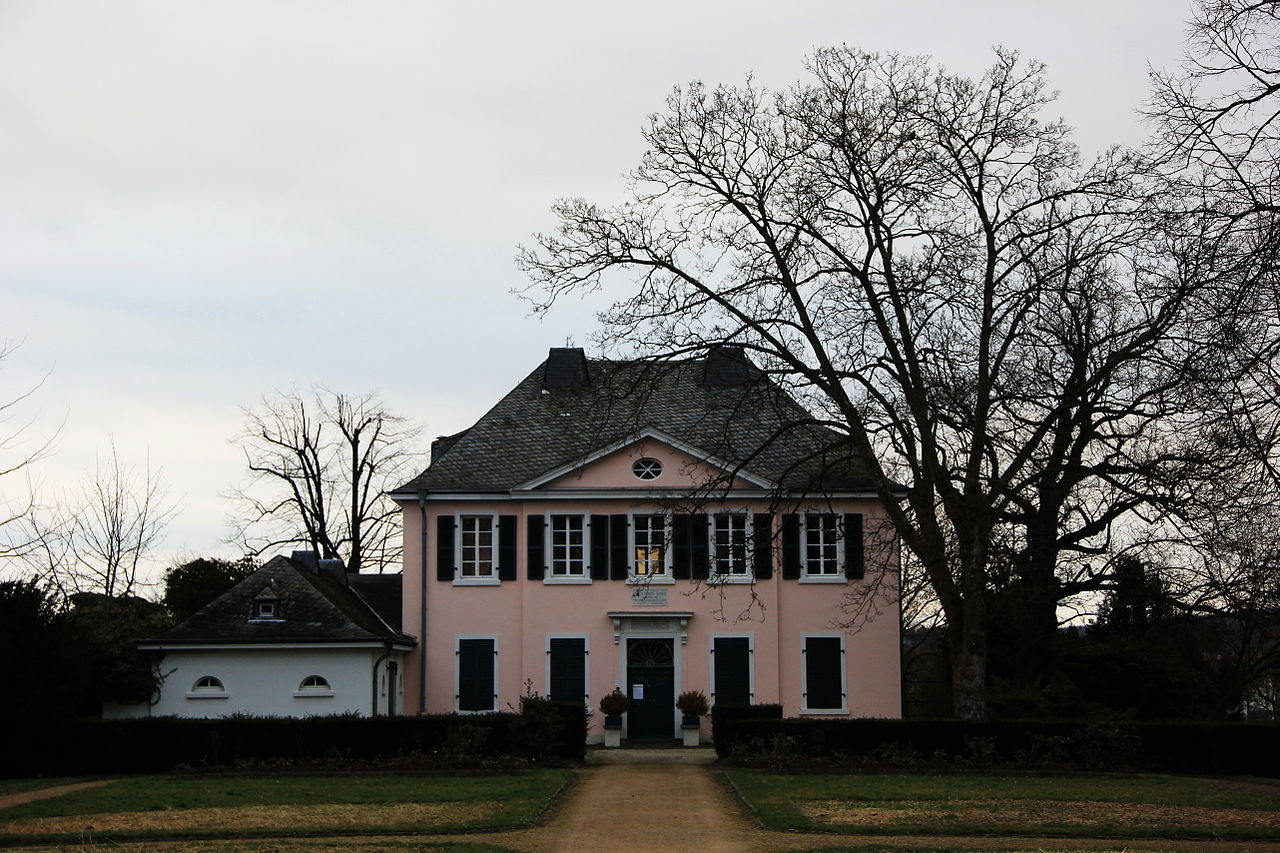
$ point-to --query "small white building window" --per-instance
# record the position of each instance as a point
(314, 685)
(207, 687)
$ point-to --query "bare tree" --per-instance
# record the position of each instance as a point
(19, 450)
(926, 261)
(98, 539)
(320, 465)
(1217, 118)
(1218, 114)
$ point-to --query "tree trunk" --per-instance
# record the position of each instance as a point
(968, 673)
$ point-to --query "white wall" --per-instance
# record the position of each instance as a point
(265, 681)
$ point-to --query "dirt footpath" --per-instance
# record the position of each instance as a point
(10, 800)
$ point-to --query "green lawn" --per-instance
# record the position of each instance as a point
(250, 806)
(1147, 806)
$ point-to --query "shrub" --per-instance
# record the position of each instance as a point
(692, 703)
(614, 704)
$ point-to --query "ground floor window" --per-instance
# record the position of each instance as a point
(731, 671)
(824, 688)
(477, 674)
(567, 670)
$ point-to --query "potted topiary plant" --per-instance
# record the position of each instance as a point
(614, 705)
(692, 705)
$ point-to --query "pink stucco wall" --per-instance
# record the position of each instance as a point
(775, 613)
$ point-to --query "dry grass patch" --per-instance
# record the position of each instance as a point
(249, 818)
(1018, 814)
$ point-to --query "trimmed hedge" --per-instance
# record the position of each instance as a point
(1181, 747)
(722, 714)
(151, 745)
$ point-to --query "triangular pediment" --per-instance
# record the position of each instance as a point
(629, 464)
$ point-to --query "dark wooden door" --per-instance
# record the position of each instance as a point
(651, 683)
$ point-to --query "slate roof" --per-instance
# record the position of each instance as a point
(721, 405)
(313, 608)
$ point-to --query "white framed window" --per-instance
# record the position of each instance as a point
(475, 675)
(823, 673)
(207, 687)
(477, 549)
(650, 552)
(821, 555)
(731, 547)
(313, 685)
(266, 608)
(567, 536)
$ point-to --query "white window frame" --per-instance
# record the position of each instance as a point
(581, 577)
(490, 579)
(586, 669)
(748, 575)
(198, 692)
(258, 605)
(751, 663)
(806, 576)
(306, 691)
(844, 678)
(635, 577)
(457, 672)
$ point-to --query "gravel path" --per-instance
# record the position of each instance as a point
(640, 801)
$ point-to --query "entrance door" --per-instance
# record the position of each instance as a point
(651, 684)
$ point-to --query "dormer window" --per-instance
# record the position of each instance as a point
(266, 608)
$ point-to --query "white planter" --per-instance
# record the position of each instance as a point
(613, 737)
(690, 735)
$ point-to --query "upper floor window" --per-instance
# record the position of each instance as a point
(568, 546)
(476, 557)
(821, 537)
(730, 546)
(650, 537)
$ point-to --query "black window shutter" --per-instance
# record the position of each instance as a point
(791, 547)
(444, 547)
(475, 675)
(681, 556)
(536, 548)
(568, 667)
(733, 671)
(822, 668)
(762, 545)
(600, 547)
(618, 567)
(854, 561)
(507, 547)
(700, 546)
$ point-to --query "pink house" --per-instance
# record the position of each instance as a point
(653, 528)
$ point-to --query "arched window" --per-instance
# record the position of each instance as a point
(314, 685)
(207, 687)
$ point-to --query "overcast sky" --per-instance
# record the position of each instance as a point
(203, 201)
